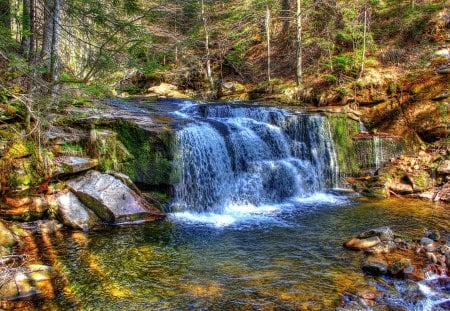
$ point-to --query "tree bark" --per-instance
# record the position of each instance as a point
(208, 56)
(26, 28)
(54, 60)
(268, 43)
(47, 33)
(32, 52)
(298, 42)
(363, 53)
(285, 13)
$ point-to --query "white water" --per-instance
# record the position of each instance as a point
(239, 162)
(249, 214)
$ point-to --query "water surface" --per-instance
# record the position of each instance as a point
(287, 257)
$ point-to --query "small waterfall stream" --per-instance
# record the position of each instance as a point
(235, 155)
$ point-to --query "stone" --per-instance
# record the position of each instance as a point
(232, 88)
(71, 165)
(398, 266)
(441, 96)
(75, 214)
(109, 198)
(444, 168)
(414, 273)
(166, 90)
(126, 180)
(445, 53)
(426, 241)
(359, 244)
(432, 257)
(17, 150)
(384, 233)
(375, 266)
(15, 285)
(48, 226)
(40, 272)
(443, 70)
(401, 188)
(7, 238)
(433, 234)
(381, 248)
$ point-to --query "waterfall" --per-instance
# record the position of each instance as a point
(246, 155)
(378, 152)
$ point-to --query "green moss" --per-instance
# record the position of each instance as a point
(342, 130)
(151, 157)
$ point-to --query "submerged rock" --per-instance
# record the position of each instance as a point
(110, 198)
(75, 214)
(413, 272)
(397, 267)
(375, 266)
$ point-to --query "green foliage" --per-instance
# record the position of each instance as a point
(343, 62)
(97, 91)
(330, 78)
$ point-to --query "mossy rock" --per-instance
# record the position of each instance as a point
(342, 130)
(19, 149)
(151, 159)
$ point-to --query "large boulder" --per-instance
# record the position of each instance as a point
(110, 198)
(75, 214)
(166, 90)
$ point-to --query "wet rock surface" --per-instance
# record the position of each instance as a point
(110, 199)
(75, 214)
(417, 270)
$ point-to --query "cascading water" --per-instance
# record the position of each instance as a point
(243, 155)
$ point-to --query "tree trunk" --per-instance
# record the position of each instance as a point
(363, 53)
(26, 28)
(285, 13)
(298, 42)
(32, 52)
(54, 59)
(208, 56)
(268, 42)
(47, 34)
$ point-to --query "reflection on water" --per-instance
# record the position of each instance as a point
(292, 261)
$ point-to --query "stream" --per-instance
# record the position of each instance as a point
(254, 225)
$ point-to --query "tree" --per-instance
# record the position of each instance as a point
(208, 55)
(298, 43)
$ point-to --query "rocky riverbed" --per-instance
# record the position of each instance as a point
(420, 268)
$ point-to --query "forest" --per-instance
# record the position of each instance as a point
(234, 155)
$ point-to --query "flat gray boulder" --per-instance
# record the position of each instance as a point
(110, 198)
(74, 213)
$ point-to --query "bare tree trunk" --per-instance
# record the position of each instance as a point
(268, 42)
(32, 53)
(298, 42)
(54, 62)
(47, 33)
(26, 28)
(208, 56)
(363, 53)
